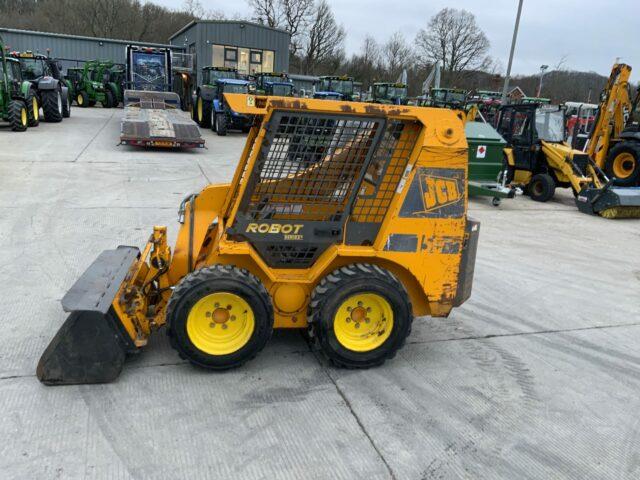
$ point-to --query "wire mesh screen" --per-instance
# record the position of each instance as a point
(310, 166)
(385, 171)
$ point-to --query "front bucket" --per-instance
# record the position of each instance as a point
(610, 202)
(92, 344)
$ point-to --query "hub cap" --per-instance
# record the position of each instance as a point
(363, 322)
(59, 103)
(220, 323)
(624, 165)
(80, 100)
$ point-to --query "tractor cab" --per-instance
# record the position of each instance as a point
(210, 75)
(334, 88)
(390, 93)
(33, 66)
(447, 98)
(14, 77)
(273, 84)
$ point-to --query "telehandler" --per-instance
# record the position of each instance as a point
(539, 160)
(350, 242)
(614, 143)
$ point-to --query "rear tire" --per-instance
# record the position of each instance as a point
(33, 108)
(18, 116)
(209, 339)
(623, 164)
(358, 341)
(203, 112)
(52, 106)
(66, 105)
(541, 188)
(108, 99)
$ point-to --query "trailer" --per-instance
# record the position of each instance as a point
(152, 112)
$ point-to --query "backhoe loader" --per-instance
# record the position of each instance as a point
(614, 143)
(539, 160)
(349, 241)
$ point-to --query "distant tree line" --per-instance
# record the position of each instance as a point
(452, 37)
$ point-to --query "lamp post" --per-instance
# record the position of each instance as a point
(505, 90)
(543, 70)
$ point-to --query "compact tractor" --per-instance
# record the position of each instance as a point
(447, 98)
(614, 143)
(349, 243)
(334, 88)
(211, 108)
(52, 93)
(539, 160)
(278, 85)
(18, 101)
(390, 93)
(93, 85)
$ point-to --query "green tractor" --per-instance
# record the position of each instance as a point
(93, 85)
(390, 93)
(50, 92)
(18, 102)
(116, 83)
(454, 98)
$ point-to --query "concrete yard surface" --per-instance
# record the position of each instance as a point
(536, 377)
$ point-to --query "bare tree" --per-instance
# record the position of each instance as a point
(453, 38)
(296, 18)
(396, 54)
(266, 12)
(325, 38)
(197, 10)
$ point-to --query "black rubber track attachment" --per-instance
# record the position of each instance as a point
(341, 284)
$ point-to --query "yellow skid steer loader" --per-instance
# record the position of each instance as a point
(346, 219)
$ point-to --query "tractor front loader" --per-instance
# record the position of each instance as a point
(350, 241)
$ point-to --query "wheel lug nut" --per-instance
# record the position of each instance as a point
(368, 309)
(224, 326)
(367, 320)
(216, 305)
(359, 304)
(228, 307)
(357, 325)
(232, 318)
(212, 325)
(208, 314)
(348, 320)
(349, 309)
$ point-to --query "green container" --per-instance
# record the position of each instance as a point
(485, 161)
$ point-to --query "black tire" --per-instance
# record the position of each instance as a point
(66, 105)
(115, 102)
(339, 286)
(631, 163)
(18, 116)
(219, 278)
(221, 124)
(246, 129)
(33, 108)
(82, 99)
(203, 112)
(542, 187)
(108, 99)
(92, 103)
(52, 106)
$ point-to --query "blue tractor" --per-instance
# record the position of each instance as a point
(334, 88)
(273, 84)
(211, 110)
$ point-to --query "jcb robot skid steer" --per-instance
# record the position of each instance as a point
(345, 218)
(538, 159)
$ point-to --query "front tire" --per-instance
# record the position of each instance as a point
(623, 164)
(203, 112)
(108, 99)
(542, 187)
(82, 99)
(221, 124)
(66, 105)
(219, 317)
(52, 106)
(360, 316)
(18, 116)
(33, 109)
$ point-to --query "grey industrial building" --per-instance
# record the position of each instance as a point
(249, 47)
(72, 50)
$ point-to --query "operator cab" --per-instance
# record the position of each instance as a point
(335, 88)
(390, 93)
(33, 66)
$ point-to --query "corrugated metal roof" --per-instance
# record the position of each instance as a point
(95, 39)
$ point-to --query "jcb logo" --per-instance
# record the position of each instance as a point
(439, 192)
(286, 229)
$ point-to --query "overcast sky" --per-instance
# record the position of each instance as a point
(588, 34)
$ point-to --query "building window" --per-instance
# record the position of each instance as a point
(247, 61)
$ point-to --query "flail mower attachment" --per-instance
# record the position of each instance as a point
(92, 344)
(610, 202)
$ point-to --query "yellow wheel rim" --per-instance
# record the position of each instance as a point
(220, 323)
(80, 100)
(624, 165)
(23, 116)
(36, 109)
(363, 322)
(200, 107)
